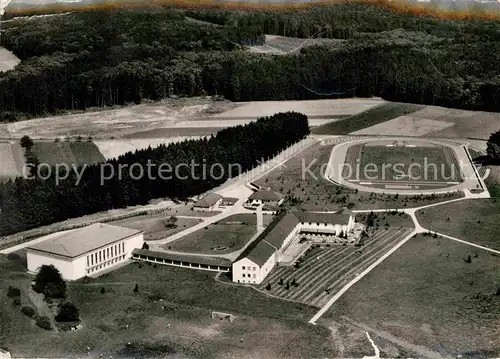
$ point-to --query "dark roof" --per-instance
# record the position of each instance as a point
(314, 217)
(230, 199)
(208, 201)
(261, 253)
(76, 242)
(265, 195)
(213, 261)
(281, 230)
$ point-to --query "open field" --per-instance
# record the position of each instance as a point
(12, 159)
(77, 153)
(302, 177)
(476, 221)
(282, 45)
(324, 270)
(7, 60)
(427, 298)
(225, 236)
(426, 163)
(156, 227)
(438, 122)
(178, 324)
(369, 117)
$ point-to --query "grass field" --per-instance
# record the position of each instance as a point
(179, 324)
(317, 194)
(421, 163)
(77, 153)
(476, 221)
(225, 236)
(367, 118)
(155, 227)
(324, 270)
(427, 298)
(282, 45)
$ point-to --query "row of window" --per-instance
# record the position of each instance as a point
(248, 268)
(249, 275)
(105, 254)
(105, 265)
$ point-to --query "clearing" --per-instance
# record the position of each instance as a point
(226, 236)
(369, 117)
(427, 298)
(157, 227)
(476, 221)
(282, 45)
(12, 159)
(7, 60)
(78, 153)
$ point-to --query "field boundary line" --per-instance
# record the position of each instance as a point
(359, 277)
(468, 243)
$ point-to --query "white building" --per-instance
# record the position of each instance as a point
(259, 258)
(208, 203)
(265, 197)
(85, 251)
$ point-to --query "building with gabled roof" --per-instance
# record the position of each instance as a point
(265, 197)
(207, 203)
(85, 251)
(264, 253)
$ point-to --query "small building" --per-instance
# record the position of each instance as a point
(207, 203)
(4, 354)
(228, 201)
(265, 197)
(85, 251)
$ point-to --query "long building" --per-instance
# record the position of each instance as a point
(85, 251)
(262, 255)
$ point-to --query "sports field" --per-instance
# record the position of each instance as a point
(225, 236)
(426, 164)
(324, 270)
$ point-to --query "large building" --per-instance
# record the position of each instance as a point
(260, 257)
(264, 197)
(85, 251)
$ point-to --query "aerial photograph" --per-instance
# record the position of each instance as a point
(250, 179)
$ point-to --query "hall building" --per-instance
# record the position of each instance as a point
(85, 251)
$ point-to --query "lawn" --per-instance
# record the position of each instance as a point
(169, 314)
(476, 221)
(156, 227)
(427, 163)
(315, 193)
(426, 298)
(78, 153)
(370, 117)
(225, 236)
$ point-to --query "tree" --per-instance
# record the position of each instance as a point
(280, 282)
(103, 290)
(26, 142)
(268, 286)
(44, 323)
(13, 292)
(145, 246)
(171, 222)
(136, 288)
(493, 146)
(49, 282)
(467, 259)
(68, 312)
(287, 286)
(294, 282)
(30, 312)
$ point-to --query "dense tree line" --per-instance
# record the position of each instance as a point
(106, 58)
(187, 168)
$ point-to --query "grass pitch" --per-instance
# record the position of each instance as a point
(427, 298)
(423, 164)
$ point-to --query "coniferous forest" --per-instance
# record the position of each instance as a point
(177, 170)
(106, 58)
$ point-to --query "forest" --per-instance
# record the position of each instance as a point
(29, 203)
(106, 58)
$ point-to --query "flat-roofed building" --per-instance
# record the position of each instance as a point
(85, 251)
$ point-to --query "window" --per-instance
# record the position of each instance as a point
(107, 252)
(112, 255)
(100, 256)
(123, 247)
(92, 259)
(243, 275)
(88, 262)
(254, 268)
(254, 276)
(243, 267)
